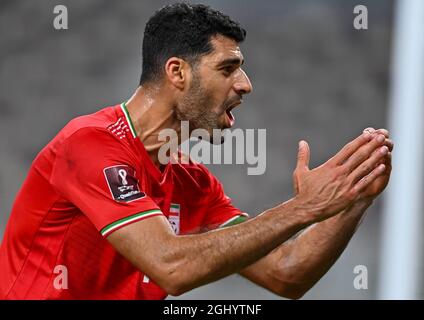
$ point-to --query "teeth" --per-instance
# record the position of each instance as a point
(230, 115)
(233, 106)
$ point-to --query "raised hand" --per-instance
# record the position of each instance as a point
(339, 182)
(380, 183)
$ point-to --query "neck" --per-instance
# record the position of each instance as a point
(151, 111)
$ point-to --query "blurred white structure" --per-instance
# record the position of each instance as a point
(402, 237)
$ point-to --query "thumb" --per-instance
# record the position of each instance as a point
(303, 156)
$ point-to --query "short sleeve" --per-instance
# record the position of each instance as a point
(221, 212)
(98, 174)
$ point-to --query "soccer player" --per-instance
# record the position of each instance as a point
(101, 213)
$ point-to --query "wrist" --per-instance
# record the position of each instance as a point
(306, 214)
(357, 210)
(363, 202)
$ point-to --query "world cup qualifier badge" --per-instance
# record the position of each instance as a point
(123, 183)
(174, 217)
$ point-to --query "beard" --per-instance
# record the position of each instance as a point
(197, 108)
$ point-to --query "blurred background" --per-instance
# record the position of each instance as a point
(314, 76)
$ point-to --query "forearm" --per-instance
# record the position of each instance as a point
(305, 259)
(195, 260)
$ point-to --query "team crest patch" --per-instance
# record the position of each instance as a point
(123, 184)
(174, 217)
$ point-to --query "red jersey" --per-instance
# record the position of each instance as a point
(93, 178)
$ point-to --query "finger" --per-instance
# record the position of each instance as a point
(369, 129)
(366, 181)
(388, 160)
(303, 156)
(389, 143)
(369, 165)
(351, 148)
(364, 152)
(383, 131)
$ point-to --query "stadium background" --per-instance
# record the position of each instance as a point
(315, 77)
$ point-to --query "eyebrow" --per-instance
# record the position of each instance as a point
(231, 61)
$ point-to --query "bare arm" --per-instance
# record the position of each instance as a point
(296, 265)
(181, 263)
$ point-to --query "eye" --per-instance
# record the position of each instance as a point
(227, 70)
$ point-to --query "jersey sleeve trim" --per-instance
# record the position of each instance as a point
(235, 220)
(128, 220)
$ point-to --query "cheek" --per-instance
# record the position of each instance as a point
(213, 102)
(214, 93)
(220, 98)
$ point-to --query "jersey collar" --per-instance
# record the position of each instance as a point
(159, 175)
(127, 116)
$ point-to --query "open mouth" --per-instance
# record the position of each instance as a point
(230, 115)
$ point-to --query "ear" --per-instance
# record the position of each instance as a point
(177, 72)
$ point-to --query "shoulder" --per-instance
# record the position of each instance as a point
(94, 137)
(95, 122)
(104, 125)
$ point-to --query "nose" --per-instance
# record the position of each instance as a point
(242, 85)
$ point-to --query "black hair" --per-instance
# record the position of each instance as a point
(183, 30)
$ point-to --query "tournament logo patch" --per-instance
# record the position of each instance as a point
(123, 184)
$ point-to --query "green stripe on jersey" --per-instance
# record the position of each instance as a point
(128, 220)
(127, 115)
(233, 221)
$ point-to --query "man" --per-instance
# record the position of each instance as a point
(93, 218)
